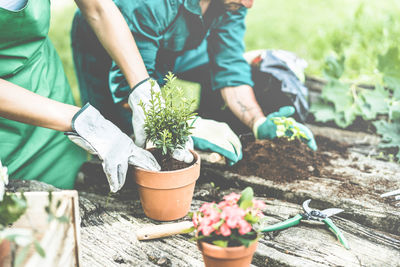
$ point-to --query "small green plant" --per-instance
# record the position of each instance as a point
(286, 127)
(167, 117)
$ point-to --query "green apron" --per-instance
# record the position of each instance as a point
(28, 59)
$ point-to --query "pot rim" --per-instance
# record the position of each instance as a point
(197, 162)
(214, 251)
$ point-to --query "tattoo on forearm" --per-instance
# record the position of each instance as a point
(244, 113)
(243, 106)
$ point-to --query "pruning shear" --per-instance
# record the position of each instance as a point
(312, 215)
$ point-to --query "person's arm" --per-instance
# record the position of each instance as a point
(110, 27)
(22, 105)
(242, 102)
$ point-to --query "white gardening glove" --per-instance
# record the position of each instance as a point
(98, 136)
(210, 135)
(141, 92)
(184, 154)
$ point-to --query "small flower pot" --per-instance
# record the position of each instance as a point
(5, 252)
(215, 256)
(167, 195)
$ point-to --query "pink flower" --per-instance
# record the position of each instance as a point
(206, 226)
(225, 230)
(207, 230)
(223, 204)
(220, 219)
(213, 215)
(258, 204)
(244, 227)
(206, 207)
(232, 215)
(232, 198)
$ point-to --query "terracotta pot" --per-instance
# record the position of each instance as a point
(5, 253)
(167, 195)
(215, 256)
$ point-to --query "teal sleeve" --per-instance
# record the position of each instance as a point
(226, 48)
(147, 20)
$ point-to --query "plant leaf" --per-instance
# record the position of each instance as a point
(246, 199)
(390, 134)
(220, 243)
(243, 240)
(375, 102)
(389, 65)
(39, 249)
(21, 256)
(323, 111)
(334, 67)
(11, 208)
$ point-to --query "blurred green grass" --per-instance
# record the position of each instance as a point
(313, 29)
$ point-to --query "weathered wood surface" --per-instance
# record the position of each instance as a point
(370, 223)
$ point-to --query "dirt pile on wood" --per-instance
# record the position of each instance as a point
(282, 160)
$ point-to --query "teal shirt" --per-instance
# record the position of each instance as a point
(165, 29)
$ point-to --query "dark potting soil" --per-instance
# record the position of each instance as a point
(282, 160)
(168, 163)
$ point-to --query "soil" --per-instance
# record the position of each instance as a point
(168, 163)
(282, 160)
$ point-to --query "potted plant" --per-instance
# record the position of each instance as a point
(224, 231)
(166, 195)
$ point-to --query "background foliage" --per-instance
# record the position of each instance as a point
(313, 29)
(356, 39)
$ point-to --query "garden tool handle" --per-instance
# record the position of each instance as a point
(163, 230)
(337, 232)
(283, 225)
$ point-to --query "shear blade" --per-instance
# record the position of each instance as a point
(392, 193)
(331, 211)
(306, 208)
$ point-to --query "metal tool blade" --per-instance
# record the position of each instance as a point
(305, 206)
(331, 211)
(392, 193)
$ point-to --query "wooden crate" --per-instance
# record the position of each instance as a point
(60, 240)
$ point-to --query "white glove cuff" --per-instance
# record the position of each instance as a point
(257, 124)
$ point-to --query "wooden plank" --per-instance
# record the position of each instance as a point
(350, 188)
(314, 245)
(108, 236)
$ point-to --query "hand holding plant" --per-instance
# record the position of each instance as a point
(167, 117)
(279, 124)
(229, 223)
(287, 127)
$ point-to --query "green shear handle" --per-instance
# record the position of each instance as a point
(296, 220)
(285, 224)
(337, 232)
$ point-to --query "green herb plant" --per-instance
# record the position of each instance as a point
(287, 128)
(167, 117)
